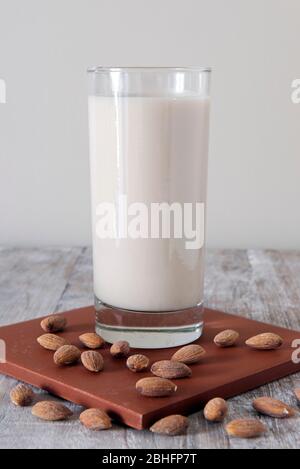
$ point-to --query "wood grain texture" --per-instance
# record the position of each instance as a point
(263, 285)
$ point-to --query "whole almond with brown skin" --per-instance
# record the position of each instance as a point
(216, 410)
(297, 393)
(66, 355)
(155, 387)
(21, 395)
(92, 361)
(170, 369)
(54, 323)
(189, 354)
(95, 419)
(137, 363)
(266, 341)
(51, 341)
(226, 338)
(91, 340)
(273, 408)
(246, 428)
(120, 349)
(171, 425)
(51, 410)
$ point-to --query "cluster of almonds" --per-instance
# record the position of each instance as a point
(265, 341)
(66, 353)
(158, 385)
(217, 409)
(94, 419)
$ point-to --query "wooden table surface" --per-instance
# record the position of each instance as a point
(263, 285)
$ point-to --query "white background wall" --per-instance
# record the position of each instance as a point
(253, 47)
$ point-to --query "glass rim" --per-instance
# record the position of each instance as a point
(104, 69)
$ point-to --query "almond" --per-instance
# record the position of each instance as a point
(120, 349)
(246, 428)
(226, 338)
(189, 354)
(51, 410)
(216, 410)
(137, 363)
(54, 323)
(297, 393)
(170, 369)
(66, 355)
(95, 419)
(155, 387)
(51, 341)
(267, 341)
(171, 425)
(91, 340)
(21, 395)
(273, 408)
(92, 361)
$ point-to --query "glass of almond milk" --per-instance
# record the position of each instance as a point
(148, 131)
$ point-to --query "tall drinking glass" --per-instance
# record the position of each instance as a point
(148, 161)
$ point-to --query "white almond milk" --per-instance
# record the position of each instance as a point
(151, 150)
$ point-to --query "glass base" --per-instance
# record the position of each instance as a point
(149, 330)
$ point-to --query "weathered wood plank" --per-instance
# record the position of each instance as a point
(264, 285)
(32, 281)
